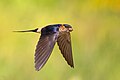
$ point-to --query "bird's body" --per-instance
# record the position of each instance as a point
(51, 34)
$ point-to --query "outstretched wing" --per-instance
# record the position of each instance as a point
(64, 43)
(43, 49)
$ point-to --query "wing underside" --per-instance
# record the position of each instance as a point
(43, 49)
(64, 43)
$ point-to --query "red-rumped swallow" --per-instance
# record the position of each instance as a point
(51, 34)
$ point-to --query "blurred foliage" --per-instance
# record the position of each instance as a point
(95, 39)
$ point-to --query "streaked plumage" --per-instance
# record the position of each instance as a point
(51, 34)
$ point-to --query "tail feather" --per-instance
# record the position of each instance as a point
(34, 30)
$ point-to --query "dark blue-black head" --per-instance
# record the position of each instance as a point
(68, 27)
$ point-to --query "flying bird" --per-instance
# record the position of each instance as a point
(51, 34)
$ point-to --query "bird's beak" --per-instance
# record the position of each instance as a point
(70, 29)
(37, 30)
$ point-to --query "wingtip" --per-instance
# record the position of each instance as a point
(36, 69)
(72, 66)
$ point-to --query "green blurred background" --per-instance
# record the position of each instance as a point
(95, 39)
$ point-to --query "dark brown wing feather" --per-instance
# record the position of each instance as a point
(64, 43)
(43, 49)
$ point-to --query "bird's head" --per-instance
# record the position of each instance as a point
(66, 27)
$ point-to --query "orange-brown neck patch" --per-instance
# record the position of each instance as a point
(62, 28)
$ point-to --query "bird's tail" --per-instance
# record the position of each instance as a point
(34, 30)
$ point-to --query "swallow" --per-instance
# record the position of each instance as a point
(50, 35)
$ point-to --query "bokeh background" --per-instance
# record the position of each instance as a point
(95, 39)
